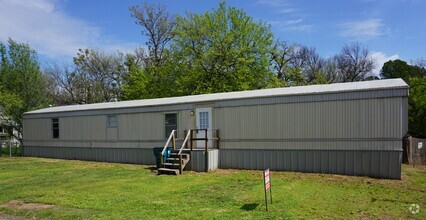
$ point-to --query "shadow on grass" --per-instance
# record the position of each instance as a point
(152, 168)
(249, 206)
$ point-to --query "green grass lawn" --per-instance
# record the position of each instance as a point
(93, 190)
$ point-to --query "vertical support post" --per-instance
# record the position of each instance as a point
(206, 139)
(207, 151)
(410, 155)
(185, 132)
(173, 140)
(10, 149)
(411, 151)
(180, 164)
(270, 187)
(192, 141)
(218, 139)
(161, 160)
(206, 161)
(264, 189)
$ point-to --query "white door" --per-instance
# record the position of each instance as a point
(204, 121)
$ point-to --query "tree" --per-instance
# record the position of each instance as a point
(22, 85)
(94, 77)
(295, 64)
(136, 82)
(281, 55)
(415, 76)
(417, 107)
(220, 51)
(152, 70)
(354, 63)
(101, 74)
(158, 26)
(397, 69)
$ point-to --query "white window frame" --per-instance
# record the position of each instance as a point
(109, 122)
(165, 126)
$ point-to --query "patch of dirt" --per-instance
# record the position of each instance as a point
(17, 205)
(9, 217)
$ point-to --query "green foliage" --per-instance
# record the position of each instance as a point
(220, 51)
(417, 107)
(94, 190)
(400, 69)
(22, 85)
(99, 75)
(415, 76)
(135, 81)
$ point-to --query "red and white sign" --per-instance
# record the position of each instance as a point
(267, 182)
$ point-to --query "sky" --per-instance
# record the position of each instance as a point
(56, 29)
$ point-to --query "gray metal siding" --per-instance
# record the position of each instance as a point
(355, 133)
(376, 124)
(313, 144)
(198, 160)
(373, 94)
(115, 155)
(355, 95)
(379, 164)
(137, 130)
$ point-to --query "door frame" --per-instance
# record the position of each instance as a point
(201, 144)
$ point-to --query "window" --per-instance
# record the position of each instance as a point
(204, 120)
(171, 123)
(111, 121)
(55, 127)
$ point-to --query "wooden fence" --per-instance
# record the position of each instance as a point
(416, 151)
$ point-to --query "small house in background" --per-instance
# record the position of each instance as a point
(344, 128)
(6, 139)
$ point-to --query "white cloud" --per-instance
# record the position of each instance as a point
(292, 25)
(292, 22)
(381, 58)
(282, 6)
(363, 30)
(51, 31)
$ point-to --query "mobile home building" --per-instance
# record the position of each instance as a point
(344, 128)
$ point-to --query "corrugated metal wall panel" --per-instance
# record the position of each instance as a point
(119, 155)
(377, 94)
(92, 129)
(379, 164)
(198, 161)
(141, 126)
(97, 144)
(37, 129)
(315, 98)
(380, 118)
(314, 144)
(82, 128)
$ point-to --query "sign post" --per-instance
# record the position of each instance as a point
(267, 185)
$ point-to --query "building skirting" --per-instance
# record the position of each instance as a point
(115, 155)
(378, 164)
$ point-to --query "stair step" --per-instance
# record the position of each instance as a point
(171, 164)
(183, 150)
(177, 154)
(167, 170)
(176, 159)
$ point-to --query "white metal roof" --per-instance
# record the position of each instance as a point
(287, 91)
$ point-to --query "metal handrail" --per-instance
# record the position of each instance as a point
(172, 135)
(184, 141)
